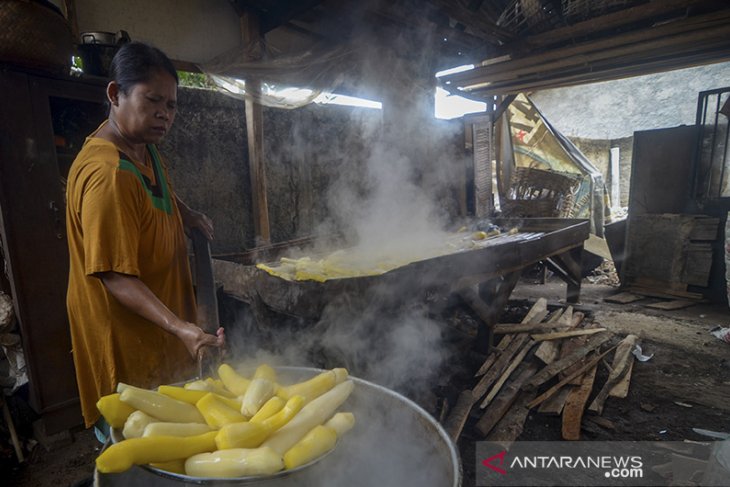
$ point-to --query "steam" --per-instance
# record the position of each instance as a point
(393, 200)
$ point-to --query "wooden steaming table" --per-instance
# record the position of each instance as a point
(484, 277)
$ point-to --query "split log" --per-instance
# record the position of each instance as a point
(510, 427)
(575, 405)
(620, 368)
(567, 347)
(548, 351)
(539, 337)
(621, 390)
(514, 344)
(550, 392)
(550, 371)
(506, 399)
(501, 346)
(500, 365)
(454, 423)
(555, 404)
(505, 375)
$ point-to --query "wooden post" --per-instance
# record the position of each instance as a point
(255, 134)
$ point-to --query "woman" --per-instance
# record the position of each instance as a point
(130, 296)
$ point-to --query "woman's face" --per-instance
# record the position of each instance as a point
(146, 112)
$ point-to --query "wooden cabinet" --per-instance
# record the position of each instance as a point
(43, 123)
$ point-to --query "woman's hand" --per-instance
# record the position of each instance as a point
(194, 338)
(195, 219)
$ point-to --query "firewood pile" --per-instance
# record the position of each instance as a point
(548, 363)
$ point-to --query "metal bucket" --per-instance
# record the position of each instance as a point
(394, 443)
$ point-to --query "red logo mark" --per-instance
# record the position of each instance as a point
(521, 135)
(499, 456)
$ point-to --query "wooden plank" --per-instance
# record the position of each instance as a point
(665, 293)
(620, 367)
(539, 337)
(609, 21)
(621, 389)
(550, 392)
(510, 427)
(575, 406)
(555, 404)
(566, 348)
(250, 27)
(507, 328)
(623, 298)
(606, 71)
(555, 368)
(497, 409)
(500, 365)
(505, 375)
(501, 346)
(548, 351)
(612, 47)
(537, 312)
(535, 315)
(672, 305)
(457, 417)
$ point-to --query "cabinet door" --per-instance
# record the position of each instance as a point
(34, 240)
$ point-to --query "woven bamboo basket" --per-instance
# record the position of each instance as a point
(34, 36)
(539, 193)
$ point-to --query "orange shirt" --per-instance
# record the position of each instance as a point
(122, 216)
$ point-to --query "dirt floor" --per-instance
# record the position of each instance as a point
(685, 385)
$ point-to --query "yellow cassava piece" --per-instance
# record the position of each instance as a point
(237, 462)
(316, 443)
(264, 371)
(311, 415)
(136, 423)
(189, 396)
(260, 391)
(251, 435)
(115, 411)
(160, 406)
(316, 386)
(175, 429)
(232, 402)
(173, 466)
(270, 407)
(217, 386)
(341, 423)
(120, 457)
(232, 381)
(216, 412)
(241, 435)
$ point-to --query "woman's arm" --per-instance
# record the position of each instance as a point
(195, 219)
(137, 297)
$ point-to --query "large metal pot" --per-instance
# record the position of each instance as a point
(394, 443)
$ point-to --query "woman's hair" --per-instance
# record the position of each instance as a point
(135, 62)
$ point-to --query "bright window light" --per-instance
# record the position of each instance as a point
(453, 106)
(335, 99)
(458, 69)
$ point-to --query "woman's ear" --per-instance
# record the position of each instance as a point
(112, 93)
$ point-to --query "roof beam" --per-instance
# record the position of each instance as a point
(604, 22)
(475, 21)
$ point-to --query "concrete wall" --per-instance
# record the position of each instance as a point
(189, 30)
(598, 152)
(616, 109)
(319, 158)
(599, 116)
(207, 156)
